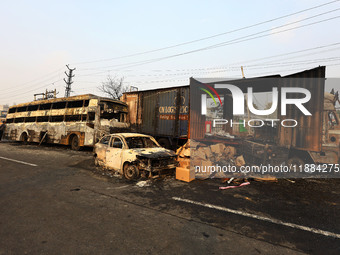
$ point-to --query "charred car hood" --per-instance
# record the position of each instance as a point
(154, 153)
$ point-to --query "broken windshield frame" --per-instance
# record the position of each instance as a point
(110, 110)
(140, 142)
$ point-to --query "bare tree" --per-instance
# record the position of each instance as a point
(113, 87)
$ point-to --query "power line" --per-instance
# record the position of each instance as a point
(299, 56)
(208, 37)
(37, 79)
(234, 41)
(171, 80)
(31, 86)
(236, 64)
(238, 40)
(273, 65)
(243, 39)
(236, 68)
(286, 70)
(201, 39)
(311, 61)
(300, 63)
(187, 74)
(44, 86)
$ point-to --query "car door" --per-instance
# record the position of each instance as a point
(114, 153)
(102, 147)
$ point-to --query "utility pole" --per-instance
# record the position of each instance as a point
(242, 72)
(69, 81)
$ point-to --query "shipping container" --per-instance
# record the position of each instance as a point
(315, 139)
(172, 116)
(162, 113)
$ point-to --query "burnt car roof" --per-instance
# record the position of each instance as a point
(125, 135)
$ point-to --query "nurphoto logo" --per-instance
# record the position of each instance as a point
(239, 105)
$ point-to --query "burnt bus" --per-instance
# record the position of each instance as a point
(77, 121)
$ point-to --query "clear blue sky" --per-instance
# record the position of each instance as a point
(38, 38)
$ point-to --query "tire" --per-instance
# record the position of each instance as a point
(131, 172)
(24, 138)
(75, 143)
(295, 161)
(164, 142)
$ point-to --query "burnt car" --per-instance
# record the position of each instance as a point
(133, 154)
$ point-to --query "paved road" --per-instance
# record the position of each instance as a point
(59, 203)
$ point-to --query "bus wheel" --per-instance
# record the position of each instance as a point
(75, 143)
(131, 172)
(24, 138)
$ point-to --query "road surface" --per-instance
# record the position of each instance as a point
(55, 201)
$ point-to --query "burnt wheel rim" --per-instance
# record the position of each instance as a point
(24, 138)
(130, 172)
(75, 142)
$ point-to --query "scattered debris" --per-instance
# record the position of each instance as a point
(183, 171)
(240, 161)
(224, 134)
(237, 195)
(185, 174)
(142, 184)
(266, 179)
(233, 187)
(206, 156)
(231, 179)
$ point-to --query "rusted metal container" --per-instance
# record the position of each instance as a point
(159, 112)
(308, 134)
(197, 120)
